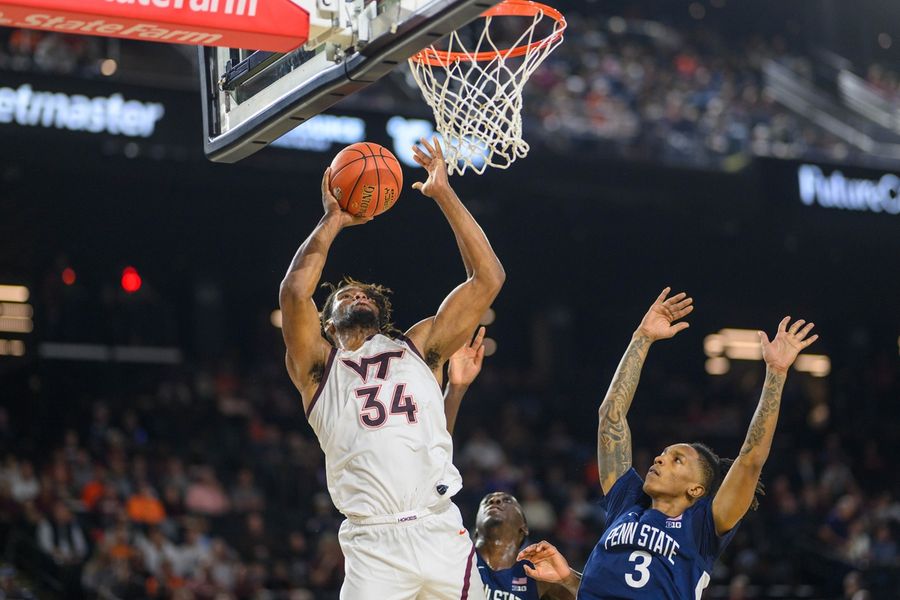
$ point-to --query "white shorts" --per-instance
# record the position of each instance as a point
(429, 557)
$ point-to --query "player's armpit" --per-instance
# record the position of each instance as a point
(418, 333)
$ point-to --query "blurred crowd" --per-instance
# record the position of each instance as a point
(208, 483)
(884, 82)
(632, 88)
(46, 52)
(643, 90)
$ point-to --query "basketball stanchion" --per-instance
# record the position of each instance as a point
(476, 94)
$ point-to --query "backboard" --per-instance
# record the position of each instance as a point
(251, 98)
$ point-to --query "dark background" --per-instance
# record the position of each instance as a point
(587, 241)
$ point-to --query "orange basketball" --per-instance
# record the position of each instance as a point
(366, 179)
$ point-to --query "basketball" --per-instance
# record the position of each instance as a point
(366, 179)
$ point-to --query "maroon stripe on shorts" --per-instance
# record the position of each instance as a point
(465, 590)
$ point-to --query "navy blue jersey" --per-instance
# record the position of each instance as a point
(645, 554)
(507, 584)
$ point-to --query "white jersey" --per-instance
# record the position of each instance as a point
(379, 415)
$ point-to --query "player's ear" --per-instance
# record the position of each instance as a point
(696, 491)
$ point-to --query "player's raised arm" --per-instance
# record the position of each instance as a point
(441, 335)
(739, 486)
(465, 365)
(613, 434)
(306, 349)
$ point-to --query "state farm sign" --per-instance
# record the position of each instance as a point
(275, 25)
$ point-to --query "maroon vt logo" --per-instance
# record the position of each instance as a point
(381, 362)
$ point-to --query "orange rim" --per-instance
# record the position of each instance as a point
(508, 8)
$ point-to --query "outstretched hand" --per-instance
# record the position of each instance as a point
(465, 364)
(782, 351)
(659, 322)
(432, 158)
(333, 209)
(549, 564)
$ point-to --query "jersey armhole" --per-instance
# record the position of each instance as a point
(322, 381)
(412, 347)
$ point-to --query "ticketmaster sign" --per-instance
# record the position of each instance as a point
(837, 191)
(102, 114)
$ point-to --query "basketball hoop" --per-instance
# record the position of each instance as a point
(476, 94)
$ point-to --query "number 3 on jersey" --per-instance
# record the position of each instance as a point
(373, 414)
(641, 562)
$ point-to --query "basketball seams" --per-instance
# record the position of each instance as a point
(364, 152)
(356, 183)
(341, 166)
(345, 165)
(383, 157)
(336, 171)
(379, 203)
(398, 185)
(384, 202)
(390, 170)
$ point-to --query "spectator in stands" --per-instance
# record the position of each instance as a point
(156, 550)
(205, 495)
(25, 484)
(245, 495)
(143, 507)
(61, 537)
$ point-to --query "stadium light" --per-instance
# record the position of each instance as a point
(718, 365)
(68, 276)
(13, 293)
(817, 365)
(16, 309)
(12, 348)
(743, 344)
(108, 67)
(16, 324)
(131, 280)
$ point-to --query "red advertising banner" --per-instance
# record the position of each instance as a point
(274, 25)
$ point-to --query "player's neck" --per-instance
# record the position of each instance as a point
(498, 553)
(671, 507)
(353, 338)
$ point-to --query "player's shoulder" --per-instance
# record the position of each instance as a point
(701, 507)
(629, 481)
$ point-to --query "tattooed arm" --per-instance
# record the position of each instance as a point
(613, 434)
(736, 493)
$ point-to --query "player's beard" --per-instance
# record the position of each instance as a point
(357, 318)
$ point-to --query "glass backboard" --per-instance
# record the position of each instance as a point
(251, 98)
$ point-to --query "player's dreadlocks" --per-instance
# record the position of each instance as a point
(378, 294)
(714, 470)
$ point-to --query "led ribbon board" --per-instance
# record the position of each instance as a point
(273, 25)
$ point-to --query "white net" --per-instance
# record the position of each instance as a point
(476, 91)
